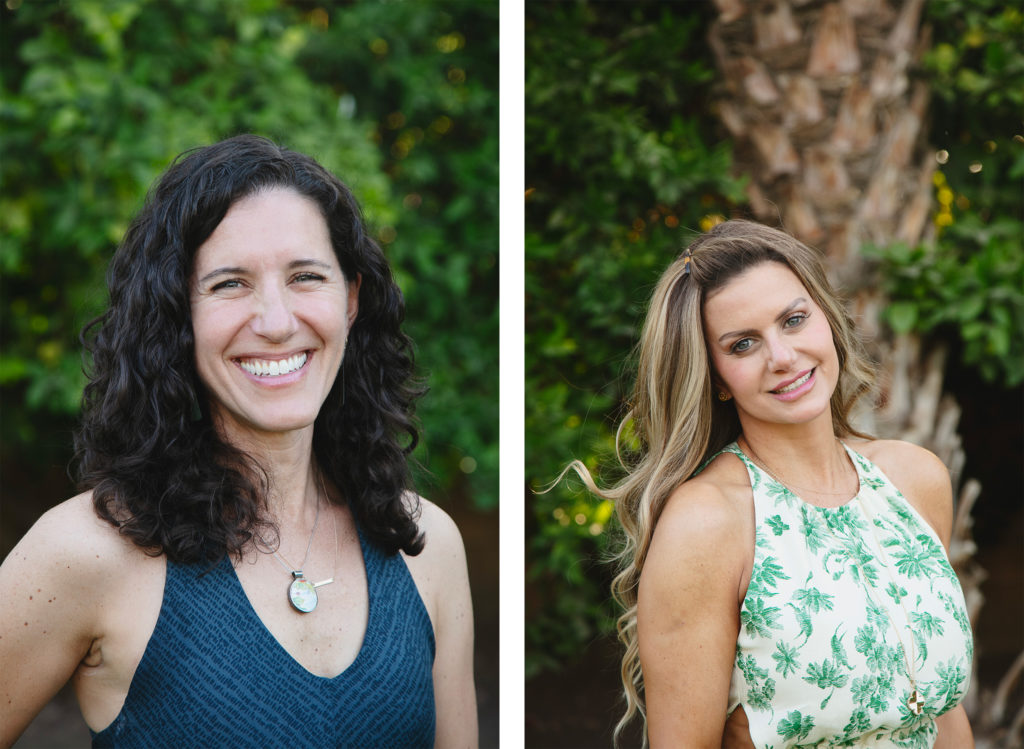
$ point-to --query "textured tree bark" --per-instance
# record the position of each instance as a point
(829, 126)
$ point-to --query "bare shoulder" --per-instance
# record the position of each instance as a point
(59, 601)
(437, 525)
(439, 570)
(443, 553)
(71, 537)
(919, 475)
(706, 526)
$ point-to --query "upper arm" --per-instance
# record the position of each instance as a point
(47, 620)
(442, 577)
(954, 730)
(688, 617)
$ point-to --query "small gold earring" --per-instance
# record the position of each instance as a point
(723, 396)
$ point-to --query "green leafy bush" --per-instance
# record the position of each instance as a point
(621, 167)
(97, 96)
(968, 286)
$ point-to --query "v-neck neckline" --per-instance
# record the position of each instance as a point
(372, 617)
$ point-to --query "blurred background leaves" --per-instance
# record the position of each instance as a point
(398, 99)
(621, 165)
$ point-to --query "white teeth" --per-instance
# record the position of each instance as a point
(274, 368)
(794, 385)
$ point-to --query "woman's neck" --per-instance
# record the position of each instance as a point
(805, 455)
(294, 485)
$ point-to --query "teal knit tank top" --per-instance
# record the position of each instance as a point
(213, 675)
(846, 608)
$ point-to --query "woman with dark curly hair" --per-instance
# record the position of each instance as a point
(248, 565)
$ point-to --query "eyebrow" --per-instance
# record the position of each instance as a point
(236, 270)
(778, 318)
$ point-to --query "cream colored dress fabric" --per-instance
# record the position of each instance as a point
(839, 600)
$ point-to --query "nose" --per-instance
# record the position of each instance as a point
(781, 355)
(273, 317)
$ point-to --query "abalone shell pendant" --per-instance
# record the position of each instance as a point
(302, 593)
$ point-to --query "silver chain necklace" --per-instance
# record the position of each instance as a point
(301, 592)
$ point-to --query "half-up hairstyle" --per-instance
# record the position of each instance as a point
(675, 422)
(147, 447)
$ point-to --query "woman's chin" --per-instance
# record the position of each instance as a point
(264, 425)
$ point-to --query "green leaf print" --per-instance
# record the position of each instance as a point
(950, 683)
(813, 599)
(958, 615)
(843, 521)
(838, 651)
(878, 703)
(898, 506)
(865, 640)
(862, 689)
(826, 675)
(759, 619)
(880, 658)
(896, 592)
(785, 659)
(884, 684)
(795, 726)
(926, 626)
(872, 482)
(815, 534)
(858, 725)
(878, 616)
(777, 525)
(914, 562)
(760, 688)
(922, 648)
(803, 618)
(770, 572)
(777, 491)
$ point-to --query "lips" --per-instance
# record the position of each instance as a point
(794, 384)
(274, 367)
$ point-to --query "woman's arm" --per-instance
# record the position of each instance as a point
(688, 616)
(47, 618)
(954, 730)
(442, 578)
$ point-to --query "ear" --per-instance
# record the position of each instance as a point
(353, 298)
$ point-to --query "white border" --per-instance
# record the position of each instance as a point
(511, 373)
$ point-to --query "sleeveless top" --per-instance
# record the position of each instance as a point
(840, 601)
(213, 675)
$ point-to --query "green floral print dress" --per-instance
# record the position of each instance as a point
(840, 600)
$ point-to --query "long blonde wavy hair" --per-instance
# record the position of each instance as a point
(676, 422)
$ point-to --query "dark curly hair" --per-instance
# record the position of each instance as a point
(146, 445)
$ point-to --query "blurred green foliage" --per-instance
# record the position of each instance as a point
(621, 168)
(97, 96)
(623, 163)
(968, 285)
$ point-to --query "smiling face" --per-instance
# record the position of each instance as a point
(271, 310)
(771, 347)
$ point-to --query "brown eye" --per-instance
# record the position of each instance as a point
(232, 283)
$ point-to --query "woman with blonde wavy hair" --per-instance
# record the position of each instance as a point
(783, 577)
